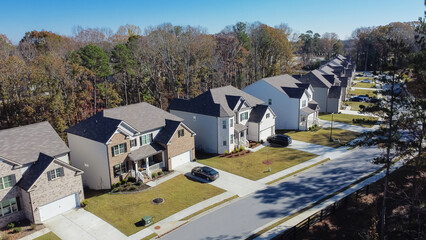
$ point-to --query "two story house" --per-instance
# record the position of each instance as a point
(327, 91)
(36, 180)
(290, 99)
(130, 141)
(225, 118)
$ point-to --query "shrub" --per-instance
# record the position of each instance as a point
(124, 181)
(154, 175)
(139, 183)
(114, 190)
(160, 173)
(118, 184)
(226, 152)
(83, 203)
(131, 179)
(241, 148)
(10, 225)
(17, 229)
(261, 141)
(131, 188)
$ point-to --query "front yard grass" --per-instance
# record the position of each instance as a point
(355, 105)
(347, 118)
(322, 136)
(125, 211)
(48, 236)
(369, 93)
(365, 85)
(252, 167)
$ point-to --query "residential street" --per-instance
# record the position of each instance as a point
(242, 218)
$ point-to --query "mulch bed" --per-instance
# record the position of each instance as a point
(234, 155)
(254, 144)
(26, 229)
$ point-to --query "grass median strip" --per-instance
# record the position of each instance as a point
(256, 165)
(369, 93)
(322, 136)
(47, 236)
(149, 237)
(355, 105)
(209, 207)
(125, 211)
(298, 171)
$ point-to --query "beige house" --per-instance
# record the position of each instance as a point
(130, 141)
(36, 181)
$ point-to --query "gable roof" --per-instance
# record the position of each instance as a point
(141, 116)
(287, 85)
(218, 102)
(316, 79)
(256, 115)
(167, 132)
(31, 176)
(294, 92)
(23, 144)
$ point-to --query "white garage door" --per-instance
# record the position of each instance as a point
(59, 206)
(264, 134)
(181, 159)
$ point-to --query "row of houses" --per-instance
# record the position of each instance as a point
(38, 179)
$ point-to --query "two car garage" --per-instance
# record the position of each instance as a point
(59, 206)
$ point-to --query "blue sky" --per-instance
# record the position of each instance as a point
(339, 16)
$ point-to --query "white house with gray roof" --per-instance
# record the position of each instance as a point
(36, 181)
(291, 100)
(225, 118)
(129, 141)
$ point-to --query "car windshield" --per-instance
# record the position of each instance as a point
(209, 171)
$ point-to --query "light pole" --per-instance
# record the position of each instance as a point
(331, 129)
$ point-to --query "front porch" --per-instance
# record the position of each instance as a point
(146, 160)
(240, 136)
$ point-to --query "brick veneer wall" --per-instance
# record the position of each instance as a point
(180, 145)
(117, 138)
(48, 191)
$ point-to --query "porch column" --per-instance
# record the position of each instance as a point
(136, 166)
(147, 167)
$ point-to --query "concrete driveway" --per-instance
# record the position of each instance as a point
(81, 224)
(227, 181)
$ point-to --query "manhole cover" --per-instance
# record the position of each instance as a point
(157, 200)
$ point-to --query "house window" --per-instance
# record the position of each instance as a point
(134, 142)
(7, 182)
(270, 101)
(119, 169)
(224, 141)
(231, 122)
(243, 116)
(242, 134)
(268, 115)
(224, 124)
(304, 103)
(146, 139)
(55, 173)
(181, 133)
(9, 206)
(119, 149)
(231, 140)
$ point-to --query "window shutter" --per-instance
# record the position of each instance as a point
(61, 170)
(13, 179)
(18, 203)
(112, 151)
(48, 176)
(125, 147)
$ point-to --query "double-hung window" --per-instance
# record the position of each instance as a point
(146, 139)
(7, 182)
(119, 149)
(119, 169)
(224, 141)
(231, 139)
(269, 101)
(231, 122)
(243, 116)
(224, 124)
(9, 206)
(304, 103)
(55, 173)
(268, 115)
(134, 142)
(181, 133)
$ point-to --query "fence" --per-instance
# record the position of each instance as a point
(300, 228)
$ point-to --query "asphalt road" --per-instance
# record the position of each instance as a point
(239, 219)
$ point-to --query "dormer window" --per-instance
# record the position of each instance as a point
(270, 101)
(146, 139)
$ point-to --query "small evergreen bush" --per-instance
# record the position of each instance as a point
(83, 203)
(17, 229)
(10, 225)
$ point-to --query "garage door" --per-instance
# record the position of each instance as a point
(264, 134)
(59, 206)
(181, 159)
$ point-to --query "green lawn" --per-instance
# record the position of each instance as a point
(252, 167)
(322, 136)
(347, 118)
(48, 236)
(355, 105)
(369, 93)
(365, 85)
(124, 211)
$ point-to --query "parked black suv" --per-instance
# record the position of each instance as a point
(280, 139)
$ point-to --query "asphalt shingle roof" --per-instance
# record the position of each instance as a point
(34, 172)
(23, 144)
(141, 116)
(167, 132)
(218, 102)
(256, 115)
(316, 79)
(145, 151)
